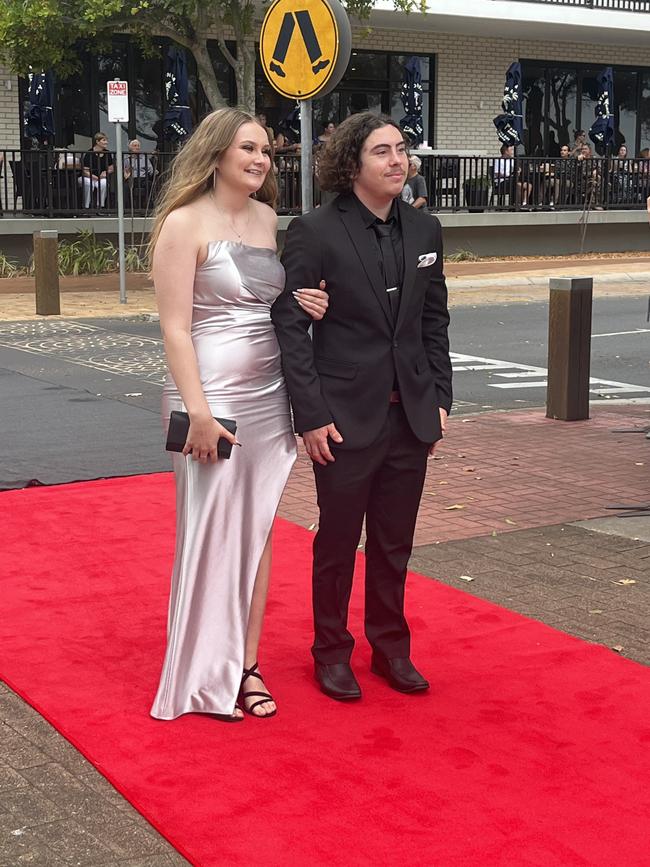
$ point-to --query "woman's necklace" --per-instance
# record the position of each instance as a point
(231, 222)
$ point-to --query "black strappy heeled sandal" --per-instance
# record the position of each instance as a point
(253, 671)
(230, 717)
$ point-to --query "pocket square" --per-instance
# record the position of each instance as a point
(427, 259)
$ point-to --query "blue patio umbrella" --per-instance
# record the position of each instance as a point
(602, 131)
(510, 124)
(411, 96)
(290, 126)
(177, 121)
(39, 120)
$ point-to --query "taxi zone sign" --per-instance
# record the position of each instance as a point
(117, 93)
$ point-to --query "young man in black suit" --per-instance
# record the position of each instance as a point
(370, 392)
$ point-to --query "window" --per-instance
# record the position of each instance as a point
(372, 82)
(560, 99)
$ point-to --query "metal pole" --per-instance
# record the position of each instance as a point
(306, 168)
(119, 172)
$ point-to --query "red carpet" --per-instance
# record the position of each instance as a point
(532, 748)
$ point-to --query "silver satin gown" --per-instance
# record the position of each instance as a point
(224, 511)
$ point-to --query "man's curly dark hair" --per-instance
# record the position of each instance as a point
(340, 159)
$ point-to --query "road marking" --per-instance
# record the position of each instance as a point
(621, 333)
(521, 374)
(541, 384)
(512, 370)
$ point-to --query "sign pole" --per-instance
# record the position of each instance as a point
(306, 161)
(117, 93)
(120, 213)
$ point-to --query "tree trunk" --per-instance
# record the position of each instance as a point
(245, 76)
(206, 75)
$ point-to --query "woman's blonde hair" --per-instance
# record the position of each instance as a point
(192, 171)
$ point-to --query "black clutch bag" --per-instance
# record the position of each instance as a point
(179, 426)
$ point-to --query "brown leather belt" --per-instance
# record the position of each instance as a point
(394, 397)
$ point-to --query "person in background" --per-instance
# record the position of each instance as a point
(416, 183)
(590, 178)
(643, 174)
(507, 177)
(137, 165)
(563, 177)
(98, 166)
(621, 177)
(325, 135)
(579, 141)
(138, 173)
(282, 145)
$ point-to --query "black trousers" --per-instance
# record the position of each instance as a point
(383, 483)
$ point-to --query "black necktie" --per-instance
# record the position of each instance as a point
(383, 232)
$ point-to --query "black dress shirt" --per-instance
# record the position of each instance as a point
(370, 220)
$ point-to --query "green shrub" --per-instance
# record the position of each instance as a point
(135, 259)
(86, 255)
(462, 256)
(8, 267)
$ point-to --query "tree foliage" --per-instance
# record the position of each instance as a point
(42, 34)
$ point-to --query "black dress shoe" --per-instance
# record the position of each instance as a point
(338, 681)
(400, 673)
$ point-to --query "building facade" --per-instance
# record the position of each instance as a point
(464, 51)
(463, 58)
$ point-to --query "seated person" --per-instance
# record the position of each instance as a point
(407, 195)
(416, 183)
(284, 146)
(579, 141)
(138, 173)
(97, 165)
(67, 160)
(563, 177)
(642, 175)
(621, 177)
(590, 178)
(507, 177)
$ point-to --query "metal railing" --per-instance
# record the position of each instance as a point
(56, 184)
(613, 5)
(51, 183)
(530, 183)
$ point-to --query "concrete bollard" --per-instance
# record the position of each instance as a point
(46, 272)
(569, 348)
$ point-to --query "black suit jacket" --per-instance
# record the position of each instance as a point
(347, 372)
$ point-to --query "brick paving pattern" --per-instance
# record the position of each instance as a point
(499, 472)
(588, 584)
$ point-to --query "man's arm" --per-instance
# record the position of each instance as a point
(301, 258)
(435, 322)
(420, 192)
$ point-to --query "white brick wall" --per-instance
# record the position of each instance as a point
(9, 128)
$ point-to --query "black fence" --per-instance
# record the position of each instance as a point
(614, 5)
(58, 184)
(76, 183)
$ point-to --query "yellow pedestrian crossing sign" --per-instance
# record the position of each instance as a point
(305, 46)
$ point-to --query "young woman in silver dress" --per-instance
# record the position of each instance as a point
(216, 275)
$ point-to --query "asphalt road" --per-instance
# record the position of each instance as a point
(81, 399)
(500, 353)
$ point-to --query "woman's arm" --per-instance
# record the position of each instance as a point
(174, 267)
